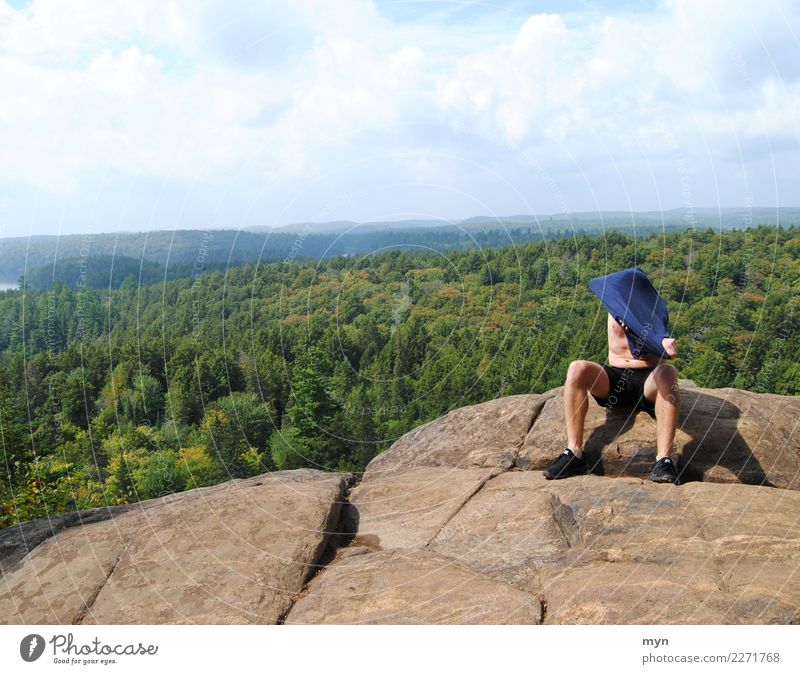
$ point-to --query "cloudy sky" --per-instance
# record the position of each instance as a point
(163, 114)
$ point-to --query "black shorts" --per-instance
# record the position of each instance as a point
(626, 390)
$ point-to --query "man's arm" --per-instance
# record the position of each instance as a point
(669, 343)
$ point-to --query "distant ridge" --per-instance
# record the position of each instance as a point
(726, 218)
(187, 252)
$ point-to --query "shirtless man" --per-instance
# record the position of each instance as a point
(644, 383)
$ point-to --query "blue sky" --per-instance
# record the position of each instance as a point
(164, 114)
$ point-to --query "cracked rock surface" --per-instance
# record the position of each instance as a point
(588, 550)
(233, 553)
(411, 587)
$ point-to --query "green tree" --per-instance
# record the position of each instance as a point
(308, 437)
(160, 473)
(237, 430)
(144, 401)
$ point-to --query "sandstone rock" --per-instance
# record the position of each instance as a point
(505, 530)
(598, 550)
(234, 553)
(406, 510)
(483, 436)
(655, 555)
(61, 577)
(724, 435)
(16, 541)
(640, 558)
(756, 538)
(411, 587)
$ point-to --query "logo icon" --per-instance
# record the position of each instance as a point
(31, 647)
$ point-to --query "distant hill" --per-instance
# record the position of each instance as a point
(725, 218)
(172, 254)
(339, 226)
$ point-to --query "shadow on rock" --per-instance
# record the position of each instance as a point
(710, 446)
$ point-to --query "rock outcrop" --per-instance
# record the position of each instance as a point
(233, 553)
(467, 488)
(585, 550)
(412, 587)
(455, 523)
(488, 435)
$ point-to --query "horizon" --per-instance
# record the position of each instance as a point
(454, 222)
(131, 118)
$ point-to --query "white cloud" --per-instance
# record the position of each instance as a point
(274, 95)
(614, 84)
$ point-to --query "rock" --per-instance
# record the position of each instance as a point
(411, 587)
(654, 555)
(597, 550)
(406, 510)
(61, 577)
(640, 558)
(724, 435)
(506, 530)
(233, 553)
(16, 541)
(487, 435)
(756, 536)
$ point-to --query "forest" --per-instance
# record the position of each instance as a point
(117, 394)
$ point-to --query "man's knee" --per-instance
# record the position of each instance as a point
(578, 371)
(665, 376)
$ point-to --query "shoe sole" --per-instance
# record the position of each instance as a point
(548, 476)
(664, 479)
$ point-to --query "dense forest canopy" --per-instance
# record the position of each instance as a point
(124, 393)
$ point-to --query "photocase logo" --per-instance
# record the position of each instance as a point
(31, 647)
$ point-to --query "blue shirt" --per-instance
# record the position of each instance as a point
(630, 296)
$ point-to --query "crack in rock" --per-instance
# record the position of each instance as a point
(79, 618)
(336, 536)
(481, 483)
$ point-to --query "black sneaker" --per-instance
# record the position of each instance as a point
(664, 471)
(566, 465)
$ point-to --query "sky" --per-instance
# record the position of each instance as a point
(172, 114)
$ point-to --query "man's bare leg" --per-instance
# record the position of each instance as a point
(583, 377)
(662, 386)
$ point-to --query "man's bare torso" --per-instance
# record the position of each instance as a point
(619, 354)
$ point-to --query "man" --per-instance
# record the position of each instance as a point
(636, 377)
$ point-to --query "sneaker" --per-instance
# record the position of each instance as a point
(566, 465)
(664, 471)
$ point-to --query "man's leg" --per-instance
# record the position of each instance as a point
(661, 387)
(583, 377)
